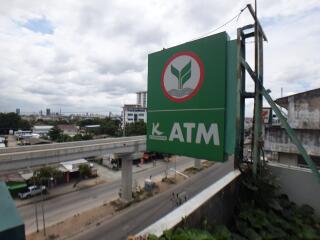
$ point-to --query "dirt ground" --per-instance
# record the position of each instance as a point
(79, 222)
(95, 216)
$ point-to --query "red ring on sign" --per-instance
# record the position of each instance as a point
(200, 81)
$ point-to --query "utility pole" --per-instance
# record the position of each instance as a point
(36, 208)
(42, 207)
(257, 141)
(124, 121)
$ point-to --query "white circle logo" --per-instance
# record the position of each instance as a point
(182, 76)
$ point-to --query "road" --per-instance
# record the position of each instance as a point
(138, 217)
(62, 207)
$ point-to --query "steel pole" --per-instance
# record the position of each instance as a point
(257, 101)
(36, 208)
(42, 207)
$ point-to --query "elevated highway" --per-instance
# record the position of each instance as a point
(31, 156)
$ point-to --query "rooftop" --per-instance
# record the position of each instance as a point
(67, 127)
(283, 102)
(41, 127)
(72, 166)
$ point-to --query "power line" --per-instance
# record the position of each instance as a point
(223, 25)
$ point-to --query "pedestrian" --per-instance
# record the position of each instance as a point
(177, 199)
(172, 195)
(172, 198)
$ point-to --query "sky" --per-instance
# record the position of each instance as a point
(92, 56)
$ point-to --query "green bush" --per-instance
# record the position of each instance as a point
(84, 170)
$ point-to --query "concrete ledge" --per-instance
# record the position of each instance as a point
(175, 217)
(300, 184)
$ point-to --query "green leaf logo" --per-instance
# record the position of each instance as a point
(183, 76)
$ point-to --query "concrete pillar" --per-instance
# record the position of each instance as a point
(126, 179)
(197, 163)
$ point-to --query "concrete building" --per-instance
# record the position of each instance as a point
(42, 130)
(304, 117)
(71, 168)
(135, 112)
(92, 129)
(142, 98)
(68, 129)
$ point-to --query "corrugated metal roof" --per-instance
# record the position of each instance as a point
(72, 166)
(42, 127)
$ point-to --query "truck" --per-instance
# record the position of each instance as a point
(32, 191)
(112, 161)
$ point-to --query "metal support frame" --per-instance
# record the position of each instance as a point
(283, 121)
(259, 36)
(258, 95)
(241, 78)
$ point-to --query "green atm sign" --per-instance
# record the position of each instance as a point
(187, 99)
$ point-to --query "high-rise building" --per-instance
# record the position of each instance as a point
(135, 112)
(48, 112)
(18, 111)
(142, 98)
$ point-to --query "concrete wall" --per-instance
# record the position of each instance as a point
(299, 184)
(219, 209)
(277, 140)
(304, 112)
(288, 158)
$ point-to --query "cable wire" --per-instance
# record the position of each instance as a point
(223, 25)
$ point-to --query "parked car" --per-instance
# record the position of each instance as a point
(32, 191)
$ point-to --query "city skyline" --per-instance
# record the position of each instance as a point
(89, 58)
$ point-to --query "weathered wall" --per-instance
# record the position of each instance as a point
(304, 112)
(277, 140)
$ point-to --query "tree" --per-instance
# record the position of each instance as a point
(80, 137)
(84, 170)
(95, 121)
(110, 126)
(45, 174)
(12, 121)
(64, 138)
(86, 137)
(136, 128)
(55, 133)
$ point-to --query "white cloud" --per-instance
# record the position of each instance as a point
(96, 57)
